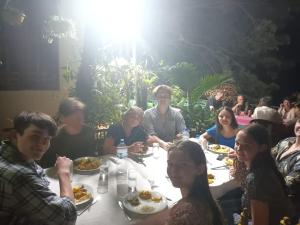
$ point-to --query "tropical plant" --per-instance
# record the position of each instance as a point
(197, 116)
(116, 84)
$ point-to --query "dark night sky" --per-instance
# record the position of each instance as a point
(289, 79)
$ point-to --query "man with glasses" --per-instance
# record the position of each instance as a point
(25, 197)
(163, 123)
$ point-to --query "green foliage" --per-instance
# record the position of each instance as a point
(197, 116)
(116, 83)
(183, 74)
(252, 87)
(209, 82)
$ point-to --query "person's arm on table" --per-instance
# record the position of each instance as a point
(136, 146)
(39, 204)
(62, 166)
(203, 140)
(165, 145)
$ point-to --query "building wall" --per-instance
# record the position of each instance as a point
(13, 102)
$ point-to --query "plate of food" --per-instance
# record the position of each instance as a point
(144, 152)
(211, 178)
(89, 164)
(82, 193)
(219, 149)
(145, 202)
(228, 161)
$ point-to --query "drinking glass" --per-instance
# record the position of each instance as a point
(122, 182)
(132, 174)
(103, 179)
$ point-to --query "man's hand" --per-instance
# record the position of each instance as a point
(179, 136)
(136, 147)
(63, 165)
(165, 145)
(232, 154)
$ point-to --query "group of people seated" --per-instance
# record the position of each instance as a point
(270, 185)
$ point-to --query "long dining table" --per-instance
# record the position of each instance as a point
(151, 175)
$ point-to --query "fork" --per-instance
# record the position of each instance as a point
(89, 205)
(122, 207)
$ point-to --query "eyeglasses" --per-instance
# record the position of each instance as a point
(163, 96)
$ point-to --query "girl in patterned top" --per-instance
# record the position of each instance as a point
(265, 193)
(187, 171)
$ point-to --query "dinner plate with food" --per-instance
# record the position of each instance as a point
(82, 194)
(219, 149)
(211, 178)
(87, 164)
(228, 161)
(145, 202)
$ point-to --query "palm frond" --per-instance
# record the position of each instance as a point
(209, 82)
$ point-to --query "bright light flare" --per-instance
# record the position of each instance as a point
(117, 19)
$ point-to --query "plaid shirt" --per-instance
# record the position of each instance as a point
(25, 197)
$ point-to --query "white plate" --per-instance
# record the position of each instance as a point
(86, 158)
(89, 190)
(139, 209)
(226, 149)
(148, 153)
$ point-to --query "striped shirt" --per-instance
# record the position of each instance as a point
(25, 197)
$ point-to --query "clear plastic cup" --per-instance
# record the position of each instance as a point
(132, 175)
(103, 179)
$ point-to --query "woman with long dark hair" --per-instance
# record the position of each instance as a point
(187, 171)
(224, 131)
(265, 192)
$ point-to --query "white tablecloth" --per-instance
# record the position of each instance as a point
(154, 174)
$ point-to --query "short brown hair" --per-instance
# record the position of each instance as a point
(163, 87)
(40, 120)
(135, 110)
(69, 106)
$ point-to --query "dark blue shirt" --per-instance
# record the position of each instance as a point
(116, 132)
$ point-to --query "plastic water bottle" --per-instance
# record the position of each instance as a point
(122, 150)
(186, 134)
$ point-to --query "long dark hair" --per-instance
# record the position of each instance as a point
(233, 123)
(200, 189)
(263, 159)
